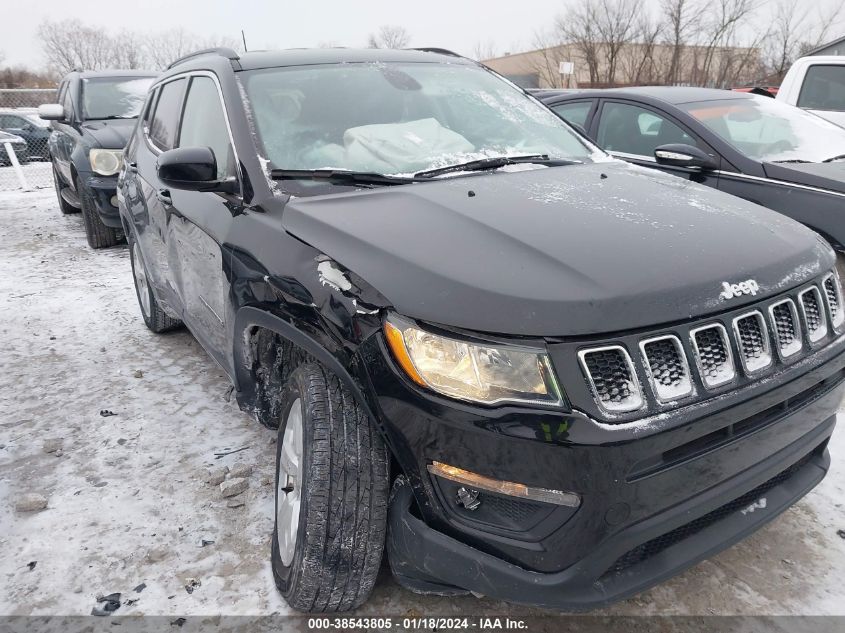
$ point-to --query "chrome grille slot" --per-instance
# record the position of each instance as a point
(813, 312)
(787, 330)
(752, 338)
(667, 367)
(713, 354)
(612, 377)
(834, 299)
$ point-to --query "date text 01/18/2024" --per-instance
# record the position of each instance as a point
(418, 624)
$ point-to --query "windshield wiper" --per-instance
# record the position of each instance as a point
(481, 164)
(341, 176)
(830, 160)
(792, 160)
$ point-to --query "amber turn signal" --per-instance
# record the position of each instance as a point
(396, 342)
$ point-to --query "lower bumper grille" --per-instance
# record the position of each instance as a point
(651, 548)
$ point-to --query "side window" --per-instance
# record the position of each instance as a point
(67, 102)
(574, 112)
(823, 88)
(148, 111)
(204, 124)
(166, 115)
(636, 130)
(8, 122)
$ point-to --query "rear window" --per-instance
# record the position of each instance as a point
(166, 116)
(823, 89)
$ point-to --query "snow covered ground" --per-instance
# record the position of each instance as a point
(127, 499)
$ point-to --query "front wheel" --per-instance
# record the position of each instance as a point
(332, 474)
(98, 234)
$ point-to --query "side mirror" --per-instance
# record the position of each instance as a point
(192, 169)
(682, 155)
(51, 112)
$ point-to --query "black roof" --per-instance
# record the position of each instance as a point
(307, 56)
(670, 94)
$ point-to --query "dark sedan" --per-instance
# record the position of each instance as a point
(751, 146)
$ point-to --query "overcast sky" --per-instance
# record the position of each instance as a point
(454, 24)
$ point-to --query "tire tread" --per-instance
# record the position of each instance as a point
(347, 499)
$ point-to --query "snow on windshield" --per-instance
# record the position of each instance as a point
(399, 118)
(770, 130)
(114, 97)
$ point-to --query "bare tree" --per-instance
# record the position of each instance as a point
(484, 50)
(723, 20)
(389, 37)
(639, 61)
(794, 30)
(165, 47)
(69, 44)
(599, 30)
(129, 51)
(545, 63)
(579, 31)
(681, 28)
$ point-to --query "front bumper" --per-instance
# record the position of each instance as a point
(641, 519)
(103, 190)
(424, 559)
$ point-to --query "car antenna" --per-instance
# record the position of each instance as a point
(243, 37)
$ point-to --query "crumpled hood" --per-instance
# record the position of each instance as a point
(113, 134)
(558, 252)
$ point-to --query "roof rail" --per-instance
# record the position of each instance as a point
(434, 49)
(222, 51)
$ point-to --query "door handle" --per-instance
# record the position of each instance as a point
(163, 196)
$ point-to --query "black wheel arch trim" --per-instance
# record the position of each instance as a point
(248, 317)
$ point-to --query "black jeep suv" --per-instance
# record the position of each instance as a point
(92, 121)
(531, 371)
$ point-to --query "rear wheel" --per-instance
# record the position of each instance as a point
(154, 317)
(98, 234)
(64, 207)
(331, 495)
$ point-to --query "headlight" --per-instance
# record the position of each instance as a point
(489, 374)
(106, 162)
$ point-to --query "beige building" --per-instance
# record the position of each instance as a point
(599, 66)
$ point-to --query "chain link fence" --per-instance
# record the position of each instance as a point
(24, 158)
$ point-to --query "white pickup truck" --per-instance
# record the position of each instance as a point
(817, 84)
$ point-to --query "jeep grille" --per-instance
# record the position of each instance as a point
(735, 348)
(713, 354)
(834, 299)
(814, 317)
(752, 340)
(787, 331)
(667, 367)
(613, 379)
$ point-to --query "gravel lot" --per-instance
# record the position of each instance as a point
(127, 500)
